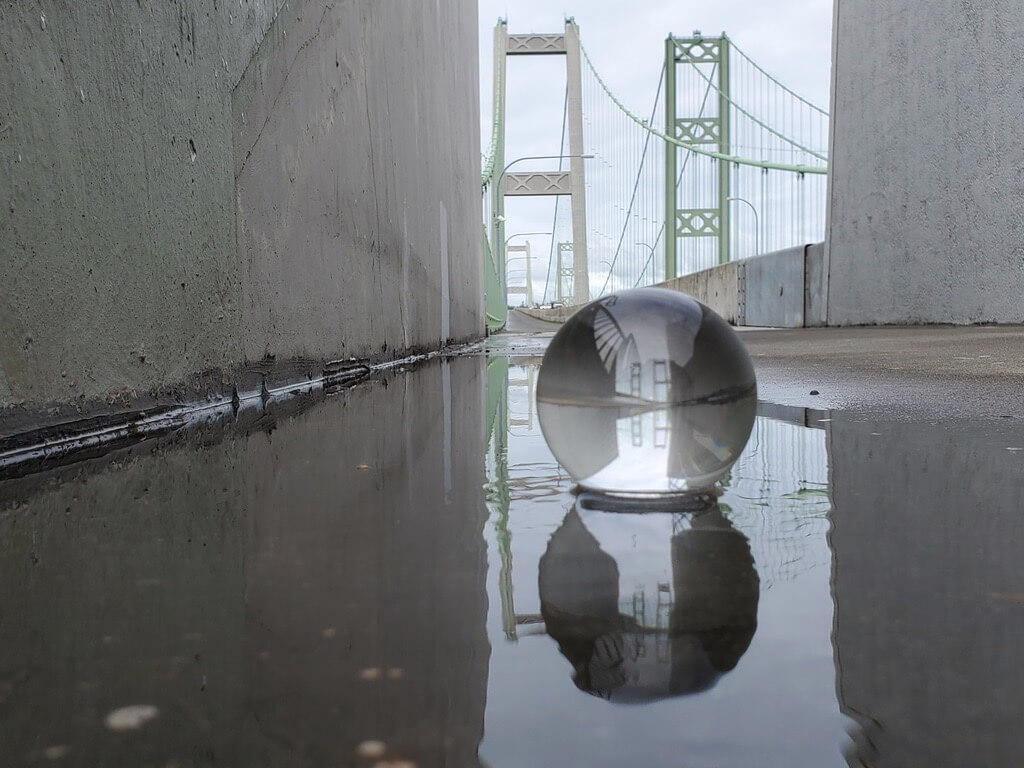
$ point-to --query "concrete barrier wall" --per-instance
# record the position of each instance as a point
(717, 287)
(783, 289)
(773, 289)
(815, 286)
(190, 190)
(926, 206)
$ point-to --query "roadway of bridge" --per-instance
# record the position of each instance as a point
(894, 372)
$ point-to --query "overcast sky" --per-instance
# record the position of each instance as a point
(790, 39)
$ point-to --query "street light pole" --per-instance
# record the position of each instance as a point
(650, 258)
(757, 226)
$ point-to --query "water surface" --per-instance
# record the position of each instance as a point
(401, 575)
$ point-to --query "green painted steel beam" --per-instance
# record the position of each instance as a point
(671, 158)
(496, 300)
(724, 102)
(495, 304)
(695, 148)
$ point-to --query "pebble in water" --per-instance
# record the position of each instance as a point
(371, 748)
(130, 718)
(646, 392)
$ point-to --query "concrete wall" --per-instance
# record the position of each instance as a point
(716, 287)
(782, 289)
(772, 289)
(192, 187)
(926, 201)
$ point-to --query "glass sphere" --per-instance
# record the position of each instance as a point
(646, 392)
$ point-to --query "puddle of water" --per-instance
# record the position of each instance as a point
(721, 620)
(308, 593)
(889, 615)
(400, 574)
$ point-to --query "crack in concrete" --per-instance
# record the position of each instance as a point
(284, 81)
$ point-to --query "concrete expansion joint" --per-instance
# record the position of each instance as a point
(741, 293)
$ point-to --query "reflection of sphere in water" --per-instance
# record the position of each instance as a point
(646, 392)
(648, 606)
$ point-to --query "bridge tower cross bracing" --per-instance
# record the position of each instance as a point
(696, 221)
(564, 274)
(557, 182)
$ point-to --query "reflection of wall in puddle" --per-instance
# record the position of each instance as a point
(123, 585)
(137, 583)
(365, 595)
(927, 529)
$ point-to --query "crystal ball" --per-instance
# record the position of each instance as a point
(646, 392)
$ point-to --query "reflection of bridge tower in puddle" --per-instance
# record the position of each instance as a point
(524, 382)
(662, 611)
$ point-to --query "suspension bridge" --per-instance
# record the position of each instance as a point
(724, 163)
